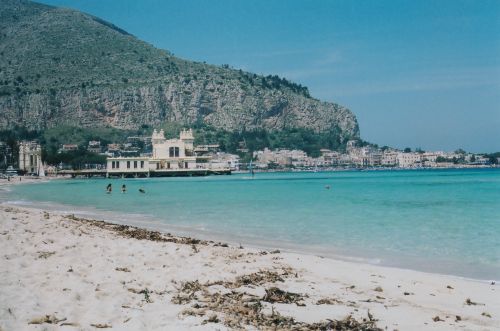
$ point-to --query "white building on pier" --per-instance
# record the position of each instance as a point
(169, 157)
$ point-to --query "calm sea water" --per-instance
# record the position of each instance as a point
(445, 221)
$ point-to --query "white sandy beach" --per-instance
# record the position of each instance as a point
(58, 271)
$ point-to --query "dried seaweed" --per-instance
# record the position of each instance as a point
(128, 231)
(49, 319)
(45, 255)
(275, 294)
(469, 302)
(241, 310)
(186, 293)
(328, 301)
(258, 278)
(145, 291)
(101, 326)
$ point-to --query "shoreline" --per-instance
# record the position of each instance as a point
(61, 270)
(151, 223)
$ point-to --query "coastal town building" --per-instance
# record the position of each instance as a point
(5, 155)
(360, 156)
(113, 149)
(375, 158)
(409, 160)
(221, 160)
(389, 158)
(142, 142)
(331, 158)
(481, 160)
(368, 156)
(94, 146)
(30, 157)
(283, 157)
(69, 147)
(169, 157)
(206, 149)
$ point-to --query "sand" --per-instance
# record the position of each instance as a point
(61, 272)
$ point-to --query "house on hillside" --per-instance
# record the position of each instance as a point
(69, 147)
(94, 146)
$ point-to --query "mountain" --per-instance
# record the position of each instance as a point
(62, 67)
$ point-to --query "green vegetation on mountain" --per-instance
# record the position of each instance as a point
(61, 67)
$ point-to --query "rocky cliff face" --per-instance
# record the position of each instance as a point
(59, 66)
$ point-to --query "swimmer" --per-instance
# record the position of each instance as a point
(124, 188)
(142, 190)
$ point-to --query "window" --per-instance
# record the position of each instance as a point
(128, 164)
(185, 165)
(135, 164)
(173, 151)
(112, 164)
(117, 164)
(142, 164)
(168, 165)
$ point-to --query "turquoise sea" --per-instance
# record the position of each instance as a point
(444, 221)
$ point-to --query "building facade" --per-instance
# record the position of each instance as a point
(5, 155)
(409, 160)
(389, 158)
(30, 157)
(169, 156)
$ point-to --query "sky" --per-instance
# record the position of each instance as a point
(415, 73)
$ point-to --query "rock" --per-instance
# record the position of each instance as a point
(120, 81)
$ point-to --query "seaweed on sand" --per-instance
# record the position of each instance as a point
(241, 310)
(275, 294)
(137, 233)
(259, 278)
(186, 293)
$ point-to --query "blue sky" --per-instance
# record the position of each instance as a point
(416, 73)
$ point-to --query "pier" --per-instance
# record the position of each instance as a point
(89, 173)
